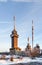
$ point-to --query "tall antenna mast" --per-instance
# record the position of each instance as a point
(28, 40)
(32, 34)
(14, 22)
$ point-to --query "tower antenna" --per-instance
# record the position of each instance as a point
(28, 40)
(32, 34)
(14, 22)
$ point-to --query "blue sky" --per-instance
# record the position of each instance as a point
(25, 11)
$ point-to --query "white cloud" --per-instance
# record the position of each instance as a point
(5, 22)
(37, 0)
(27, 0)
(3, 0)
(22, 0)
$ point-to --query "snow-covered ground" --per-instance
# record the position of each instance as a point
(17, 60)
